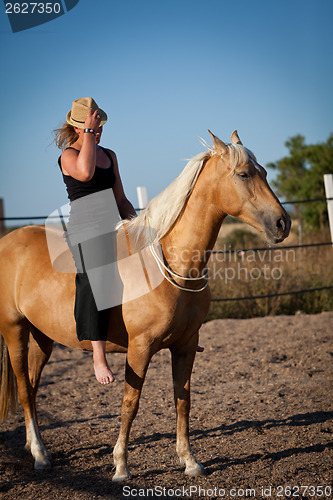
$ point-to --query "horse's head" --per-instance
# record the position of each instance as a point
(245, 192)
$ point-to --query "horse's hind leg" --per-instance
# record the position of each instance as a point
(182, 363)
(17, 337)
(40, 349)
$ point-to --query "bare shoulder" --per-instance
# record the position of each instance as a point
(112, 153)
(114, 158)
(67, 158)
(69, 153)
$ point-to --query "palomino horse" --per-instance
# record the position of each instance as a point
(36, 301)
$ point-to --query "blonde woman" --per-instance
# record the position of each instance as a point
(88, 169)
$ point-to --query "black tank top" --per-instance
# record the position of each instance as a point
(103, 178)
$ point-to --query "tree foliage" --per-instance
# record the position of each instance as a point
(300, 177)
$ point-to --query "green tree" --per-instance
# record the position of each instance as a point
(300, 177)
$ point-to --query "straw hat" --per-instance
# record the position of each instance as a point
(79, 112)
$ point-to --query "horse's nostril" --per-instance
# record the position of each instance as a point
(280, 224)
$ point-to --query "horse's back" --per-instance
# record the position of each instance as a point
(15, 250)
(29, 286)
(21, 239)
(23, 252)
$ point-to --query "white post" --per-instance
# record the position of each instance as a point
(142, 196)
(328, 181)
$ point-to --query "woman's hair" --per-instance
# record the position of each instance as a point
(65, 136)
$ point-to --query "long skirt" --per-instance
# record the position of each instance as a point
(91, 237)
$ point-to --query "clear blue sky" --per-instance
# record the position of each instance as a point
(165, 71)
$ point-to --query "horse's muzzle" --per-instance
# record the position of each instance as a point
(277, 228)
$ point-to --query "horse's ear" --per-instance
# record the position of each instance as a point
(235, 138)
(218, 144)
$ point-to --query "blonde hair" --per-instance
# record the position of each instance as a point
(65, 136)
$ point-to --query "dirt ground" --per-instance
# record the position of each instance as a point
(261, 420)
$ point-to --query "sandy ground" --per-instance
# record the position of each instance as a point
(261, 420)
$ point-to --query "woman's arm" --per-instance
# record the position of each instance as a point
(125, 207)
(82, 166)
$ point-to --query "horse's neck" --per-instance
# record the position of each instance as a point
(187, 246)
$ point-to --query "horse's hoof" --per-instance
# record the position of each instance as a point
(45, 454)
(195, 470)
(42, 464)
(119, 477)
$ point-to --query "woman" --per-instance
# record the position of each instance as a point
(89, 169)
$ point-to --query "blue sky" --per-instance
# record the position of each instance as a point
(165, 71)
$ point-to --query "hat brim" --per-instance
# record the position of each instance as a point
(76, 124)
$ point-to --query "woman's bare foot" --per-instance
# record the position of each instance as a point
(103, 372)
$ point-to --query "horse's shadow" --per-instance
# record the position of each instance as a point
(302, 419)
(220, 463)
(299, 420)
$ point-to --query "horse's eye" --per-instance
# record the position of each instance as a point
(244, 175)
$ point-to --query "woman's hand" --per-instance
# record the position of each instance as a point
(93, 120)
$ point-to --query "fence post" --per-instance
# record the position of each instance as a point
(142, 196)
(328, 181)
(2, 215)
(300, 240)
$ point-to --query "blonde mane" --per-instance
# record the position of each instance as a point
(156, 220)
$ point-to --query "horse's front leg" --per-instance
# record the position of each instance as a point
(182, 364)
(136, 368)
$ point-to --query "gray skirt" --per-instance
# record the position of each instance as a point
(91, 237)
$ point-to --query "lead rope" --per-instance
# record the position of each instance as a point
(162, 267)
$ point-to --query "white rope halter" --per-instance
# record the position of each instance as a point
(162, 267)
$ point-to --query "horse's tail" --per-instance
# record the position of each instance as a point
(8, 387)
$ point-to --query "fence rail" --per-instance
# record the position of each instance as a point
(282, 247)
(305, 201)
(269, 295)
(43, 217)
